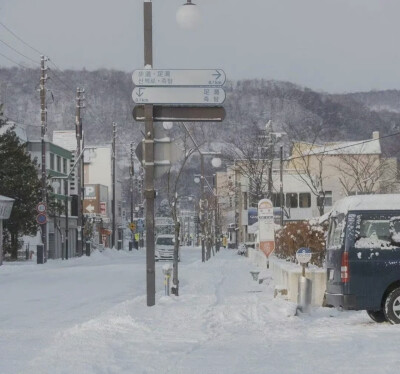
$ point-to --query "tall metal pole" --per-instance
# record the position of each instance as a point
(149, 162)
(132, 174)
(78, 124)
(281, 183)
(43, 120)
(113, 185)
(66, 193)
(216, 213)
(202, 210)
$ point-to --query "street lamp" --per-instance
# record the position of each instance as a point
(188, 15)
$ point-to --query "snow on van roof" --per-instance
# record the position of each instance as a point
(367, 202)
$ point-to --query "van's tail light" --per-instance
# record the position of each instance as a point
(344, 270)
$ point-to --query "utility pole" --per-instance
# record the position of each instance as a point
(113, 184)
(78, 128)
(281, 184)
(66, 193)
(43, 120)
(216, 223)
(202, 210)
(149, 161)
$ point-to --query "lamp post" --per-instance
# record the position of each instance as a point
(185, 16)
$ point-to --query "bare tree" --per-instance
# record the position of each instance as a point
(309, 167)
(173, 187)
(252, 153)
(365, 173)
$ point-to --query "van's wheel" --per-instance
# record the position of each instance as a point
(392, 306)
(377, 315)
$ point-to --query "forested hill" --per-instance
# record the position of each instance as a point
(303, 113)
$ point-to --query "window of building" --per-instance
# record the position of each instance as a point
(276, 199)
(327, 201)
(58, 163)
(328, 198)
(305, 200)
(64, 165)
(291, 200)
(52, 161)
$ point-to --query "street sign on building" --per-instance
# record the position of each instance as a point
(179, 95)
(176, 77)
(103, 208)
(181, 113)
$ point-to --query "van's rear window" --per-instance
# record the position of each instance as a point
(375, 231)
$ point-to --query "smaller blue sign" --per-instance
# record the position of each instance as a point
(41, 219)
(303, 255)
(140, 225)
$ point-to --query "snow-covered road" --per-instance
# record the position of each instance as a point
(89, 315)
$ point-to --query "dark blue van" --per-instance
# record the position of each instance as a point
(363, 256)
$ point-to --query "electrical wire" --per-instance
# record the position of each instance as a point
(343, 147)
(14, 62)
(20, 39)
(21, 54)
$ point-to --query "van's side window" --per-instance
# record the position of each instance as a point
(336, 227)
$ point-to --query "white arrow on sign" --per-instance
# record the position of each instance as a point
(90, 208)
(176, 77)
(178, 95)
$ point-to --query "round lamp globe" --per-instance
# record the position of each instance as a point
(188, 16)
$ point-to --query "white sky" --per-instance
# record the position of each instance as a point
(331, 45)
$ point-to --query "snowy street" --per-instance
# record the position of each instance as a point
(89, 315)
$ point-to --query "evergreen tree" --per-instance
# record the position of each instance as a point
(18, 180)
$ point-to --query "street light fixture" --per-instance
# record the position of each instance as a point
(188, 16)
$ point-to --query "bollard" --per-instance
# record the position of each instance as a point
(304, 296)
(88, 248)
(119, 244)
(254, 274)
(40, 254)
(130, 245)
(167, 270)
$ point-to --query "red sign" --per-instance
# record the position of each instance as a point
(103, 208)
(267, 247)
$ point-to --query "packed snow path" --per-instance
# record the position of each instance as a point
(89, 315)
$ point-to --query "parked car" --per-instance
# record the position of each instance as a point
(164, 249)
(363, 256)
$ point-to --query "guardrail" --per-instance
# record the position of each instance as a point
(286, 276)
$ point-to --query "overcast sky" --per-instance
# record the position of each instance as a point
(329, 45)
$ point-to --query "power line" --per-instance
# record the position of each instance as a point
(343, 147)
(14, 62)
(20, 39)
(16, 51)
